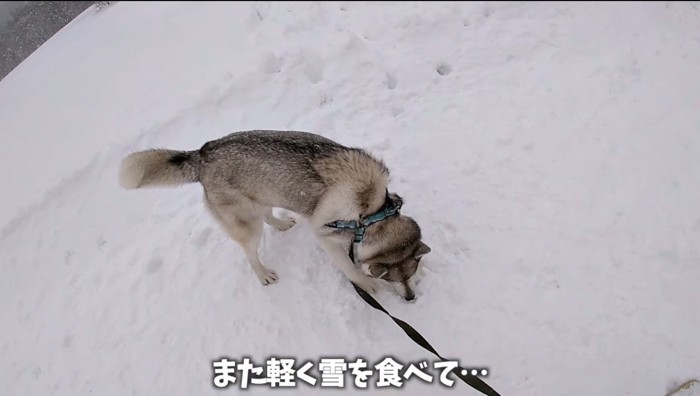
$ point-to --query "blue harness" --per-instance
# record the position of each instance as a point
(389, 209)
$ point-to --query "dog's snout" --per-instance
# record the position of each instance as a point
(407, 293)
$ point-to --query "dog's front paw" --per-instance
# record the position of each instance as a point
(365, 283)
(266, 276)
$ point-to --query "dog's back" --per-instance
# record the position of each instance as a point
(287, 169)
(270, 167)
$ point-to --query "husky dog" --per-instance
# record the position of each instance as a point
(246, 174)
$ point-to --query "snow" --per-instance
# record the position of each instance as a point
(550, 152)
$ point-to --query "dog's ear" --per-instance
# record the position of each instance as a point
(423, 249)
(394, 198)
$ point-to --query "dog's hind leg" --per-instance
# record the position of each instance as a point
(276, 223)
(244, 227)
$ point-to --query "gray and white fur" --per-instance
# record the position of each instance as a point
(246, 174)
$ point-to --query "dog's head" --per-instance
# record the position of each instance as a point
(393, 251)
(399, 273)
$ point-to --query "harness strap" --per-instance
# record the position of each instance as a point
(390, 208)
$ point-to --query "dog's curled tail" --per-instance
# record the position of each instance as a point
(158, 168)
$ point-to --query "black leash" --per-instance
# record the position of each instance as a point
(473, 381)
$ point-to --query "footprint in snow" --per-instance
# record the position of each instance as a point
(443, 69)
(101, 243)
(270, 63)
(391, 81)
(154, 265)
(383, 145)
(313, 67)
(68, 257)
(203, 236)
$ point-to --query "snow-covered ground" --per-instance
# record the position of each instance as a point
(550, 152)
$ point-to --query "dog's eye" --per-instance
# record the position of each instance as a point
(384, 272)
(379, 271)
